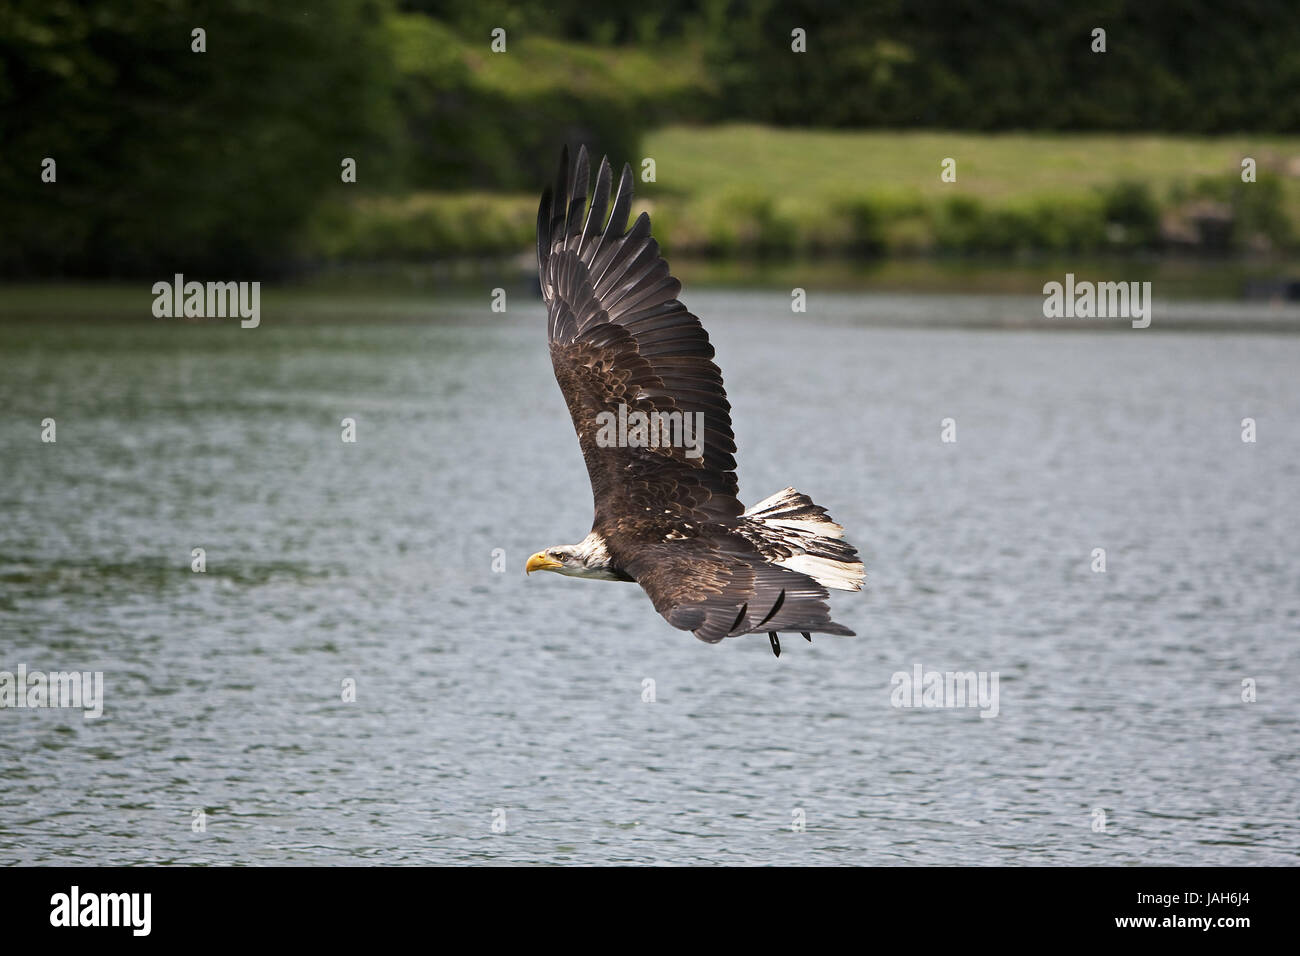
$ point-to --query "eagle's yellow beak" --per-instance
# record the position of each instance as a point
(540, 562)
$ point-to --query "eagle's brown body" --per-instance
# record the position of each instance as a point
(668, 520)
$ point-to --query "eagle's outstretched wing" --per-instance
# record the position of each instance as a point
(619, 337)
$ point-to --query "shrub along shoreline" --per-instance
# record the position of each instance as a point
(877, 194)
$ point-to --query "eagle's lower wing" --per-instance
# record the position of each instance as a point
(619, 337)
(720, 587)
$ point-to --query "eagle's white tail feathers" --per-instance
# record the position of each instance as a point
(797, 534)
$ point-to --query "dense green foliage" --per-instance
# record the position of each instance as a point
(1189, 66)
(477, 118)
(172, 159)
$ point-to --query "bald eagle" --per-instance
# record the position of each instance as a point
(636, 371)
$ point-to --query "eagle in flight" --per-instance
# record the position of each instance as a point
(654, 425)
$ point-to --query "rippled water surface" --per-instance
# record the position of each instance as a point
(1120, 692)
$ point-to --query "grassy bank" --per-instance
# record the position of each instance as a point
(746, 191)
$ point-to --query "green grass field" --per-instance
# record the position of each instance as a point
(745, 191)
(812, 165)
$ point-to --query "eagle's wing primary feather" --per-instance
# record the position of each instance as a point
(619, 336)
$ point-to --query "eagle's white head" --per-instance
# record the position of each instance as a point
(586, 559)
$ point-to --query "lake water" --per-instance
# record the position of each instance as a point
(485, 696)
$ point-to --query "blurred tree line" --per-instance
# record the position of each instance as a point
(1187, 66)
(171, 159)
(166, 158)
